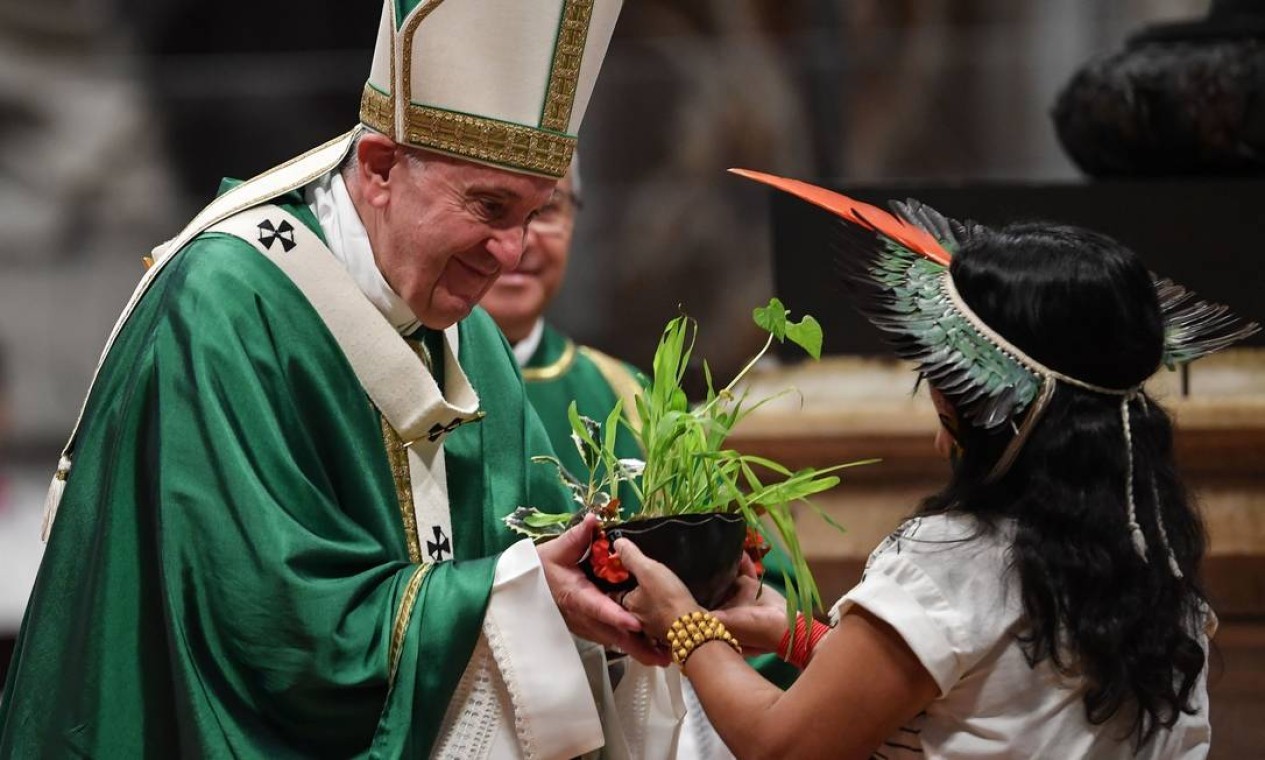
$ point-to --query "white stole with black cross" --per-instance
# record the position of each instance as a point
(395, 377)
(508, 703)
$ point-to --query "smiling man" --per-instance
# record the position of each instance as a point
(277, 528)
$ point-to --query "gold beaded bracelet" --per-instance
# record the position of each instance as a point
(692, 630)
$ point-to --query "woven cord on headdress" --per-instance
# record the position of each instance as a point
(1135, 530)
(1159, 523)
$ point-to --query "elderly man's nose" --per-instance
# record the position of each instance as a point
(507, 246)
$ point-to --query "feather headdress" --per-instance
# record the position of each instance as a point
(897, 267)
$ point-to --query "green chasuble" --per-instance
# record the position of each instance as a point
(231, 573)
(560, 372)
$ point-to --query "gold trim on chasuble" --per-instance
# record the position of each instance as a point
(564, 76)
(397, 457)
(555, 370)
(400, 629)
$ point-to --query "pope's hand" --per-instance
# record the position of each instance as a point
(588, 612)
(660, 596)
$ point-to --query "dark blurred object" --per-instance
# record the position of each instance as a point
(1226, 20)
(245, 84)
(1202, 233)
(1184, 99)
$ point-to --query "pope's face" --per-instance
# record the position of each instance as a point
(447, 228)
(522, 294)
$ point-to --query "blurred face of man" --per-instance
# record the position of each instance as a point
(442, 229)
(522, 294)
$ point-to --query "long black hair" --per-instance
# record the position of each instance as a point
(1084, 305)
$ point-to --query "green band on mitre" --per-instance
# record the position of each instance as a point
(404, 7)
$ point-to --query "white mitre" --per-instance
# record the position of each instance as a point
(512, 96)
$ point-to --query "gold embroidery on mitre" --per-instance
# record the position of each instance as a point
(489, 140)
(397, 458)
(568, 54)
(377, 111)
(395, 82)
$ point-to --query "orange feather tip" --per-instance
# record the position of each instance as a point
(870, 217)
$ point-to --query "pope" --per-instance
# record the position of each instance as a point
(276, 529)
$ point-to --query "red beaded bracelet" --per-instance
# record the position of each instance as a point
(806, 640)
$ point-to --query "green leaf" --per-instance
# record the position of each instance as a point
(534, 524)
(794, 489)
(578, 489)
(611, 426)
(806, 334)
(772, 318)
(584, 434)
(827, 518)
(542, 520)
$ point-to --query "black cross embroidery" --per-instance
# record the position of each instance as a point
(283, 232)
(440, 545)
(437, 430)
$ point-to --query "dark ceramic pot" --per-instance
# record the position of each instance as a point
(703, 550)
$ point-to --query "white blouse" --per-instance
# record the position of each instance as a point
(948, 589)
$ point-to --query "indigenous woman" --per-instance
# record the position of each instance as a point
(1045, 603)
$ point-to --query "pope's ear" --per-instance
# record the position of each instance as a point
(375, 157)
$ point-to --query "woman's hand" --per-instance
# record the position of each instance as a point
(755, 615)
(660, 596)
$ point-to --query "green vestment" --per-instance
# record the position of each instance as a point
(559, 373)
(230, 573)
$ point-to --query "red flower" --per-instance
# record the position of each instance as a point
(605, 562)
(756, 548)
(610, 511)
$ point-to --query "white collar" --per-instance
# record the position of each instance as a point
(345, 234)
(526, 348)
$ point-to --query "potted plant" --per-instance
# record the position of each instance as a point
(702, 503)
